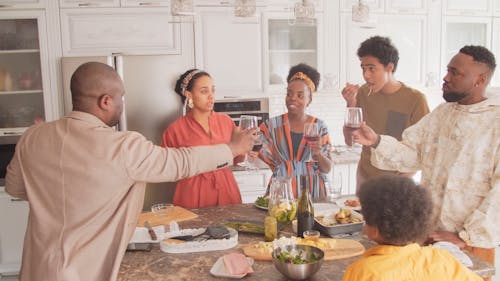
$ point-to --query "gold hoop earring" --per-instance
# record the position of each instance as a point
(190, 103)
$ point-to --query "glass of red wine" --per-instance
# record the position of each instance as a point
(311, 134)
(352, 121)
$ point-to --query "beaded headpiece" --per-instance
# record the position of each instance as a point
(305, 78)
(187, 79)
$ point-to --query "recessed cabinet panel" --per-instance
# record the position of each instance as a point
(22, 3)
(230, 51)
(88, 3)
(405, 6)
(461, 31)
(497, 8)
(467, 7)
(106, 31)
(408, 34)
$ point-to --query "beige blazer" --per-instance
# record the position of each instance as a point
(85, 186)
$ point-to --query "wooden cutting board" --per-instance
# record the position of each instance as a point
(343, 248)
(161, 218)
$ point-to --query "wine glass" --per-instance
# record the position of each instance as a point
(247, 122)
(352, 121)
(311, 134)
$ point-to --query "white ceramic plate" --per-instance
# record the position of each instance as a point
(219, 269)
(341, 203)
(260, 207)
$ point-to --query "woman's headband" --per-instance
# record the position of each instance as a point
(187, 79)
(305, 78)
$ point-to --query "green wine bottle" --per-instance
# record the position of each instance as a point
(305, 210)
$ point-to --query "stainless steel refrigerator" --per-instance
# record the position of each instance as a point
(151, 103)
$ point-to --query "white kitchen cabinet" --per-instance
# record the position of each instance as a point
(497, 8)
(468, 7)
(21, 4)
(103, 31)
(230, 50)
(13, 219)
(458, 31)
(25, 93)
(409, 35)
(287, 43)
(252, 183)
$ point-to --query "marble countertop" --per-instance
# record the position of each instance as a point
(157, 265)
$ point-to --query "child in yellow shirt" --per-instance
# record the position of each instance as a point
(398, 216)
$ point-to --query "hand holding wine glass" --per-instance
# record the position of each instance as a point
(352, 122)
(311, 135)
(247, 122)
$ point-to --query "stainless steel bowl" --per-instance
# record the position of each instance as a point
(299, 271)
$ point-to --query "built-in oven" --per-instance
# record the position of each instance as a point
(7, 149)
(235, 107)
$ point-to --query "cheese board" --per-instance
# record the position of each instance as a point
(162, 218)
(334, 249)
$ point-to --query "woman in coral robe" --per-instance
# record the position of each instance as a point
(201, 126)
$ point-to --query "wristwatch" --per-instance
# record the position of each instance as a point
(464, 236)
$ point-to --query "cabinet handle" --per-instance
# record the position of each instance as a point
(5, 6)
(149, 4)
(87, 4)
(16, 200)
(224, 2)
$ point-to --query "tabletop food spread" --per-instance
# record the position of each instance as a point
(235, 247)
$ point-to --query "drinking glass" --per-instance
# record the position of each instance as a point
(311, 134)
(247, 122)
(353, 120)
(334, 185)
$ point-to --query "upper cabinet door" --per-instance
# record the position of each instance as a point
(408, 34)
(88, 3)
(95, 32)
(25, 92)
(406, 7)
(497, 8)
(287, 43)
(230, 50)
(468, 7)
(460, 31)
(19, 4)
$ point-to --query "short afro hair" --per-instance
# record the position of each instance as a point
(480, 54)
(381, 48)
(308, 70)
(400, 209)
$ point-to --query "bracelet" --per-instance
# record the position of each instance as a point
(377, 142)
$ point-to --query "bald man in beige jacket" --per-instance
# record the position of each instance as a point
(85, 182)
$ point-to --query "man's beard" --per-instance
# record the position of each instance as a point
(453, 96)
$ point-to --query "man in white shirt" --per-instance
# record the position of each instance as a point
(457, 147)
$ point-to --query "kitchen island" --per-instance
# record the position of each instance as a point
(157, 265)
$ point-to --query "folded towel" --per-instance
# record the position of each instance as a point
(237, 264)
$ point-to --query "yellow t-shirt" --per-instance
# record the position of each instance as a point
(408, 263)
(388, 114)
